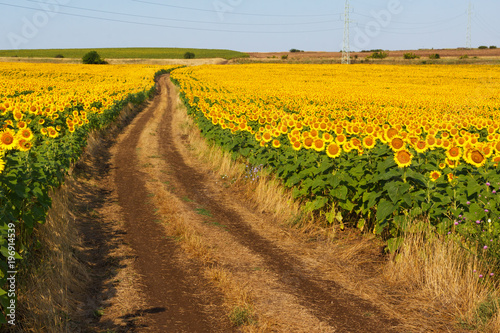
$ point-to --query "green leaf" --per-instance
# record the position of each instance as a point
(393, 244)
(347, 205)
(339, 193)
(396, 190)
(361, 224)
(317, 204)
(384, 209)
(293, 180)
(472, 187)
(370, 198)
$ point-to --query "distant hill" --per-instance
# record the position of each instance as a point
(125, 53)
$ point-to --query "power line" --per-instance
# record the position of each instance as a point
(417, 23)
(187, 21)
(172, 26)
(242, 14)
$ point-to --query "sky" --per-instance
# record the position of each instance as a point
(248, 25)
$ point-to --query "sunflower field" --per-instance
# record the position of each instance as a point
(373, 147)
(46, 114)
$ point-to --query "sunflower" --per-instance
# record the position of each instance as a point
(451, 163)
(421, 146)
(7, 139)
(431, 141)
(442, 165)
(496, 160)
(454, 153)
(297, 145)
(52, 132)
(403, 158)
(475, 157)
(348, 147)
(24, 145)
(319, 145)
(451, 177)
(487, 151)
(333, 150)
(308, 143)
(397, 144)
(434, 175)
(276, 143)
(327, 137)
(25, 134)
(21, 124)
(369, 142)
(341, 139)
(497, 147)
(267, 137)
(391, 132)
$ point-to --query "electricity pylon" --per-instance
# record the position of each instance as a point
(346, 55)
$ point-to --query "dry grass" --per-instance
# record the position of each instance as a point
(437, 279)
(45, 301)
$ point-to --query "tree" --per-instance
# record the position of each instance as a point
(93, 58)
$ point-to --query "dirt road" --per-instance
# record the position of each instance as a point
(203, 259)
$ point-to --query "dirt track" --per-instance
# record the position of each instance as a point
(155, 181)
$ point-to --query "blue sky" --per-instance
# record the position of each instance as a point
(246, 25)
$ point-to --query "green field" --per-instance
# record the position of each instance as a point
(126, 53)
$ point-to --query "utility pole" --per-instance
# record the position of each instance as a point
(469, 27)
(346, 56)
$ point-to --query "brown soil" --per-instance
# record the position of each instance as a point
(422, 53)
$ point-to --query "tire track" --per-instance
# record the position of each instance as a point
(182, 298)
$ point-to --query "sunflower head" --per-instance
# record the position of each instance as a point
(454, 153)
(319, 145)
(7, 140)
(403, 158)
(476, 157)
(297, 145)
(397, 144)
(369, 142)
(434, 175)
(333, 150)
(308, 142)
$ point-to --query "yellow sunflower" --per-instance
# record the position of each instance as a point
(319, 145)
(308, 143)
(475, 157)
(403, 158)
(7, 139)
(397, 144)
(276, 143)
(333, 150)
(434, 175)
(454, 153)
(297, 145)
(369, 142)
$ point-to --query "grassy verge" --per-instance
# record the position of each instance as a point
(126, 53)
